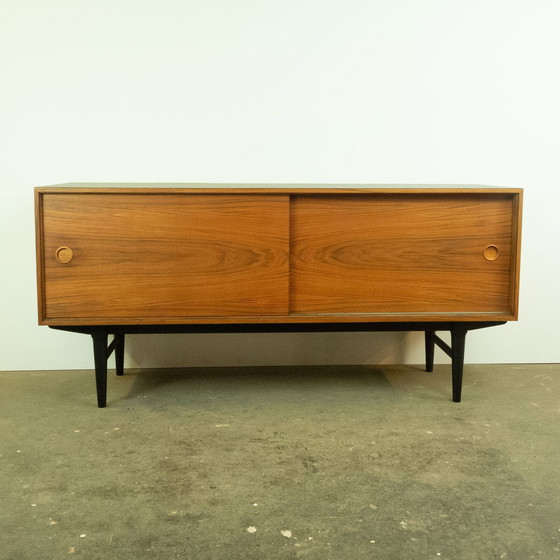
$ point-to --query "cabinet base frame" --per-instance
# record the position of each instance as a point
(102, 350)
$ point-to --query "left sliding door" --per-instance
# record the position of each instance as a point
(161, 258)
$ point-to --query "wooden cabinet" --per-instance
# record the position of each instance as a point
(113, 259)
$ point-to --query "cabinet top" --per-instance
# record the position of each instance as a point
(272, 188)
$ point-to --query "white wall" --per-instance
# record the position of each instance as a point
(361, 91)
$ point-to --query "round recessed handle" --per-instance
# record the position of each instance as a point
(64, 255)
(491, 252)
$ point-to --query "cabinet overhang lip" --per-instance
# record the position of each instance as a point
(269, 188)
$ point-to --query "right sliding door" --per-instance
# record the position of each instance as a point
(404, 255)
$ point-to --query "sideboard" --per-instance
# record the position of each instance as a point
(118, 259)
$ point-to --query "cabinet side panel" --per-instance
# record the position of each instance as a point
(136, 256)
(39, 256)
(402, 254)
(517, 212)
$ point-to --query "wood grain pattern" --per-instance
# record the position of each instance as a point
(192, 255)
(400, 254)
(146, 256)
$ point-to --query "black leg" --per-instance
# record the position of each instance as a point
(100, 357)
(119, 354)
(458, 335)
(430, 344)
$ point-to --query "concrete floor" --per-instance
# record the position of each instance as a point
(336, 462)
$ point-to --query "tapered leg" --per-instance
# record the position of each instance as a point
(100, 357)
(458, 335)
(430, 344)
(119, 354)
